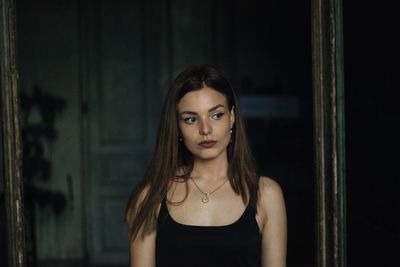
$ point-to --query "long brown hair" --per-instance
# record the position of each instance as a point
(171, 156)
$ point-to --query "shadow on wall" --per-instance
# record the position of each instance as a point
(39, 112)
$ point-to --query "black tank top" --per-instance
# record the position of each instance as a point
(234, 245)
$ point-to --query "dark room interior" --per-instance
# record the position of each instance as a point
(92, 77)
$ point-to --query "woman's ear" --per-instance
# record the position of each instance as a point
(232, 117)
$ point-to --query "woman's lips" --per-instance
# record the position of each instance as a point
(207, 144)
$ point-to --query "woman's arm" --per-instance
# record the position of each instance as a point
(143, 251)
(143, 248)
(274, 235)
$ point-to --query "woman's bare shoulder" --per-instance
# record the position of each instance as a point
(268, 184)
(270, 194)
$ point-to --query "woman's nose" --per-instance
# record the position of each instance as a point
(205, 128)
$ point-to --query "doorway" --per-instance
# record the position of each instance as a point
(113, 81)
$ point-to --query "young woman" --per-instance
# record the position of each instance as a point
(201, 202)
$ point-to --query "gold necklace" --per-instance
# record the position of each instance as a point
(205, 198)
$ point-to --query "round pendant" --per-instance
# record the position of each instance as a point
(205, 199)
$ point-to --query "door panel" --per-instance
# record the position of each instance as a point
(117, 122)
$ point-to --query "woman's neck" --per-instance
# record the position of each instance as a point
(210, 170)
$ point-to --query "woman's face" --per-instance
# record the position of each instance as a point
(205, 122)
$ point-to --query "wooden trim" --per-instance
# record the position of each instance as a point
(11, 136)
(329, 131)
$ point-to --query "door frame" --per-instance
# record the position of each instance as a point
(328, 88)
(11, 145)
(329, 143)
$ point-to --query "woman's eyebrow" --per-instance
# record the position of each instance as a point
(188, 112)
(195, 113)
(214, 108)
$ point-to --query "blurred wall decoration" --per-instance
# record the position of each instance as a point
(39, 112)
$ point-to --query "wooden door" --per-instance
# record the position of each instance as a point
(122, 100)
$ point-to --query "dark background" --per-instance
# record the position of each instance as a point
(371, 45)
(283, 144)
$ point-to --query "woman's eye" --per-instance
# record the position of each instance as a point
(217, 116)
(190, 120)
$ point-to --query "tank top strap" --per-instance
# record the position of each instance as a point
(250, 218)
(163, 207)
(252, 211)
(163, 213)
